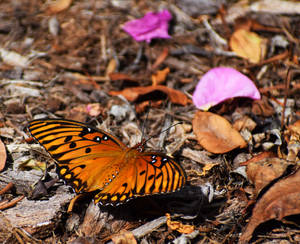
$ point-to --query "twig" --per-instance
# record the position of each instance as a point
(6, 188)
(215, 36)
(11, 203)
(147, 228)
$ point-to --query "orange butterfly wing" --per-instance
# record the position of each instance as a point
(93, 160)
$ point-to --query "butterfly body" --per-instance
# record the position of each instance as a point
(92, 160)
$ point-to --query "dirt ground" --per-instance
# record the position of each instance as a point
(73, 60)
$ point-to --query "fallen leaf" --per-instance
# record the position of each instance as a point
(281, 200)
(293, 132)
(258, 157)
(58, 6)
(78, 113)
(262, 172)
(3, 155)
(262, 107)
(125, 237)
(215, 133)
(276, 7)
(220, 84)
(249, 45)
(41, 188)
(133, 93)
(244, 123)
(295, 128)
(178, 226)
(152, 25)
(160, 76)
(32, 164)
(140, 107)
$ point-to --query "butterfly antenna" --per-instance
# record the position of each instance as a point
(144, 143)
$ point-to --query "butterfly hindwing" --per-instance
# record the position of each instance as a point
(158, 174)
(149, 173)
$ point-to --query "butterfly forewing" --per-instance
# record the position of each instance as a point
(82, 153)
(93, 160)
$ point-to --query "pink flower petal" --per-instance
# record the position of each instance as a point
(152, 25)
(222, 83)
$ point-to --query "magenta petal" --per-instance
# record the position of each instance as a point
(152, 25)
(222, 83)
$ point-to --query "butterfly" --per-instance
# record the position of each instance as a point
(92, 160)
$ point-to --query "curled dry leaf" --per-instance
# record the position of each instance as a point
(178, 226)
(58, 6)
(262, 172)
(249, 45)
(281, 200)
(215, 133)
(3, 155)
(125, 237)
(160, 76)
(133, 93)
(244, 123)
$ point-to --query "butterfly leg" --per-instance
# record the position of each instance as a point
(71, 204)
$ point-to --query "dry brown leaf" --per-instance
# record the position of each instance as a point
(248, 45)
(160, 76)
(281, 200)
(244, 123)
(258, 157)
(295, 128)
(58, 6)
(293, 141)
(262, 172)
(215, 133)
(178, 226)
(133, 93)
(140, 107)
(3, 155)
(125, 237)
(262, 107)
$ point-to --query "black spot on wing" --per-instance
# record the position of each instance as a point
(68, 138)
(53, 148)
(72, 145)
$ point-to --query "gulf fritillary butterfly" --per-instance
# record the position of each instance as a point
(92, 160)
